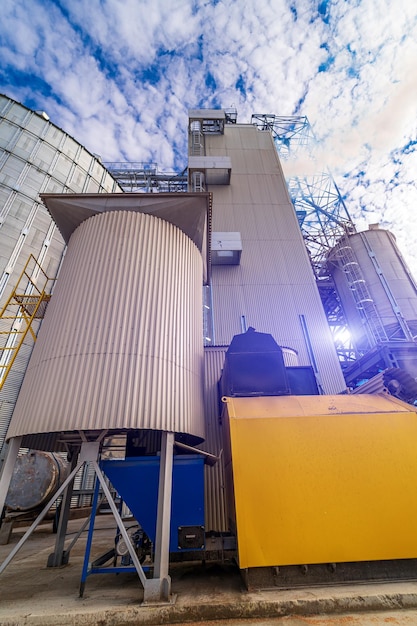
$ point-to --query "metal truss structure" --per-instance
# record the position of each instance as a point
(145, 178)
(319, 205)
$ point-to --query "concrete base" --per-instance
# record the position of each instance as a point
(34, 595)
(157, 590)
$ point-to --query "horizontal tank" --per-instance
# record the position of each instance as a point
(375, 286)
(121, 345)
(36, 477)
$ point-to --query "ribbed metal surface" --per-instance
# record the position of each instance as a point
(388, 281)
(215, 492)
(35, 157)
(215, 504)
(121, 342)
(274, 284)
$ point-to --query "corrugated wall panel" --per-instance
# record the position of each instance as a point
(121, 343)
(215, 503)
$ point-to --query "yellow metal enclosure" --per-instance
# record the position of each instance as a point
(322, 479)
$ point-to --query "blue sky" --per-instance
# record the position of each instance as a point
(120, 75)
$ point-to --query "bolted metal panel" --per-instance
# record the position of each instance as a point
(121, 343)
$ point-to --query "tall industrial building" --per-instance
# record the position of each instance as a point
(153, 291)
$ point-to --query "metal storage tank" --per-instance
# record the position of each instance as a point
(121, 345)
(35, 157)
(36, 477)
(376, 288)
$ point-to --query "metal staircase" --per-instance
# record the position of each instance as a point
(22, 313)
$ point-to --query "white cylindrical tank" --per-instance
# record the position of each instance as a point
(121, 345)
(388, 290)
(35, 157)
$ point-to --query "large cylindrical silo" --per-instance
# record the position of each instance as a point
(121, 345)
(35, 157)
(376, 288)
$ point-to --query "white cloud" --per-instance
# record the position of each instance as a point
(120, 75)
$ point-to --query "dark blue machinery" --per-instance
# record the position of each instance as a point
(136, 481)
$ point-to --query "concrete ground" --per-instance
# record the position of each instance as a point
(32, 594)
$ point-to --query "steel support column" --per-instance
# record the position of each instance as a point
(60, 557)
(160, 587)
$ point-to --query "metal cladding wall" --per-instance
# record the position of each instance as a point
(35, 157)
(388, 280)
(273, 287)
(121, 343)
(215, 504)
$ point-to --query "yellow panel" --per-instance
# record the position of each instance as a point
(324, 488)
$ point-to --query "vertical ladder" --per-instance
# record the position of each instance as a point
(363, 300)
(197, 144)
(26, 303)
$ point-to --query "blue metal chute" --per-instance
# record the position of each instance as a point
(136, 481)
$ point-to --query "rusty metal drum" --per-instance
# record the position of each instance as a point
(36, 477)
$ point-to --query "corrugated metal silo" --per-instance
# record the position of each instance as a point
(376, 288)
(35, 157)
(121, 345)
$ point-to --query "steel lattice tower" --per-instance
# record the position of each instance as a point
(321, 210)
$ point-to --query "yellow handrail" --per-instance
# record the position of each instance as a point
(27, 302)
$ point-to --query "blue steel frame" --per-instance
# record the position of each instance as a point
(136, 481)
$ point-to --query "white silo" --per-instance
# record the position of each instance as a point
(121, 345)
(376, 288)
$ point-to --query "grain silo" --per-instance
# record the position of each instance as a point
(35, 157)
(373, 281)
(120, 351)
(378, 295)
(121, 344)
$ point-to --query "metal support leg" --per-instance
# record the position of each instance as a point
(94, 505)
(160, 588)
(122, 528)
(6, 475)
(60, 557)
